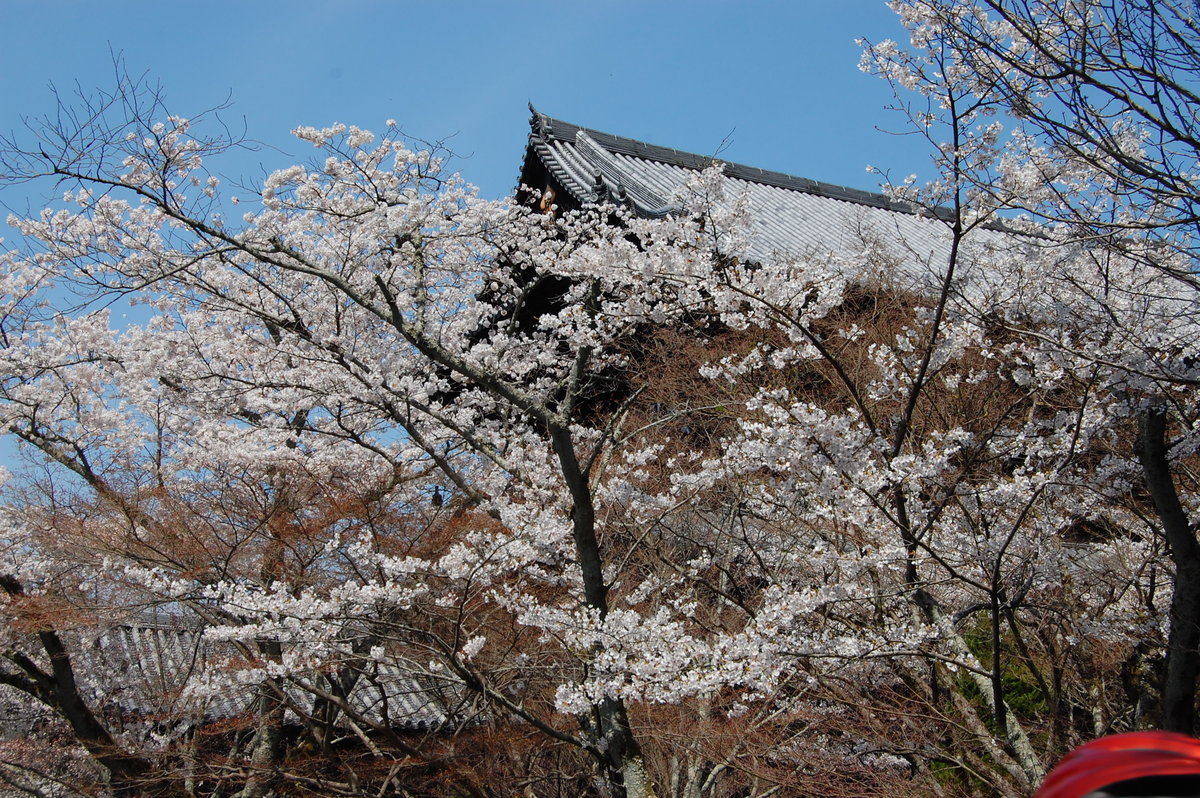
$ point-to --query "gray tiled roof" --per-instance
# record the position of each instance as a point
(791, 214)
(151, 665)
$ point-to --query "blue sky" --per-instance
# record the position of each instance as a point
(778, 79)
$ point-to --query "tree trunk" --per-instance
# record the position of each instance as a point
(621, 755)
(1029, 770)
(59, 690)
(268, 742)
(1183, 641)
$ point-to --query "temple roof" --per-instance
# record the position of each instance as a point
(793, 215)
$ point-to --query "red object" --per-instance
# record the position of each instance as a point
(1119, 758)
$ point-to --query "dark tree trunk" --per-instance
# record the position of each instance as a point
(125, 770)
(59, 690)
(1183, 643)
(621, 755)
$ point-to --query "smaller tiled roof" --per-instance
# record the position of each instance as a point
(790, 214)
(150, 665)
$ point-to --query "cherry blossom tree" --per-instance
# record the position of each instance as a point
(345, 327)
(1102, 150)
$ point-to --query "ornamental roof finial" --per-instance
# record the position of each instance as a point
(539, 123)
